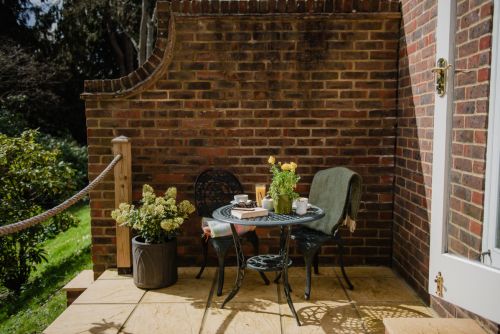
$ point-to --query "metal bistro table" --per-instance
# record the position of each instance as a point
(266, 262)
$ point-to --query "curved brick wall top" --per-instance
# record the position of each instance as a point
(135, 81)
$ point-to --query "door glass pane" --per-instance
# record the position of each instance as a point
(468, 133)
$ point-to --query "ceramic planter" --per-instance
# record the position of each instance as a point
(283, 205)
(154, 265)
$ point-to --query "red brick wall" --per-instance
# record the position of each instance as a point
(414, 141)
(228, 90)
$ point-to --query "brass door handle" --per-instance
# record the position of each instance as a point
(438, 69)
(441, 74)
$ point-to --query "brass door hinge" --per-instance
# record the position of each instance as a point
(439, 284)
(441, 74)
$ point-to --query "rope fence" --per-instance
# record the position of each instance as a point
(24, 224)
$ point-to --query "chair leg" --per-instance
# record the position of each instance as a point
(204, 251)
(316, 262)
(341, 262)
(278, 277)
(308, 259)
(220, 273)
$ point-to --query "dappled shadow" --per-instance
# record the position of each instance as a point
(373, 314)
(338, 319)
(355, 317)
(103, 327)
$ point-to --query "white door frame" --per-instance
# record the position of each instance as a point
(492, 182)
(467, 284)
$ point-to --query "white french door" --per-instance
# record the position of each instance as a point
(469, 284)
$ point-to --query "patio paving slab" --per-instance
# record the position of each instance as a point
(322, 289)
(239, 318)
(252, 288)
(106, 291)
(91, 318)
(112, 304)
(160, 318)
(380, 289)
(188, 290)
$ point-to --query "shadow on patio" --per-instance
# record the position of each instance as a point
(114, 305)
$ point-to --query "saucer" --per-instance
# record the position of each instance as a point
(248, 202)
(294, 205)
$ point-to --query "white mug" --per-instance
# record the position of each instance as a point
(241, 198)
(301, 206)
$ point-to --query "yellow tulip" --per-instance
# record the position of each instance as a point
(286, 167)
(271, 160)
(294, 165)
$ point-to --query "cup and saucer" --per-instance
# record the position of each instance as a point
(241, 198)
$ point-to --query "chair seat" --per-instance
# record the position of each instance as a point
(306, 236)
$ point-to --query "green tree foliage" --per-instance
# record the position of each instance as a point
(72, 153)
(103, 29)
(28, 95)
(32, 179)
(69, 42)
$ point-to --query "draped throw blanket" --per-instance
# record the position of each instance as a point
(338, 191)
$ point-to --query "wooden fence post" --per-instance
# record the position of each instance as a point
(123, 193)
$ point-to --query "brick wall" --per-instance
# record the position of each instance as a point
(412, 198)
(227, 90)
(414, 141)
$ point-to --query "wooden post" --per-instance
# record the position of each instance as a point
(123, 193)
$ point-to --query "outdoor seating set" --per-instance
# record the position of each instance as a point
(228, 217)
(333, 202)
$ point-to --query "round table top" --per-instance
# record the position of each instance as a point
(273, 219)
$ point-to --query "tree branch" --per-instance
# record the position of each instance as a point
(117, 50)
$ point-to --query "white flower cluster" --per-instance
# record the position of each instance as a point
(159, 217)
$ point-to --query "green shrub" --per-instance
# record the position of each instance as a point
(32, 179)
(72, 153)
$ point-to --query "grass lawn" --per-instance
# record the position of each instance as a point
(43, 300)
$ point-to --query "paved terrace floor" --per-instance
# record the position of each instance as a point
(112, 304)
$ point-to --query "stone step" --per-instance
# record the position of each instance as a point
(77, 285)
(431, 326)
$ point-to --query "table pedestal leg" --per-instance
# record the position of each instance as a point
(240, 264)
(286, 286)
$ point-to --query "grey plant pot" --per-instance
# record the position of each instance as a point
(154, 265)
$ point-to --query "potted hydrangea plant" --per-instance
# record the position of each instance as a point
(282, 189)
(157, 222)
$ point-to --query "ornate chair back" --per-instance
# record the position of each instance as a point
(214, 188)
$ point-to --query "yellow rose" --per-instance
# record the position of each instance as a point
(286, 167)
(294, 165)
(271, 160)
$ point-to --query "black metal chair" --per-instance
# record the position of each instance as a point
(213, 189)
(309, 240)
